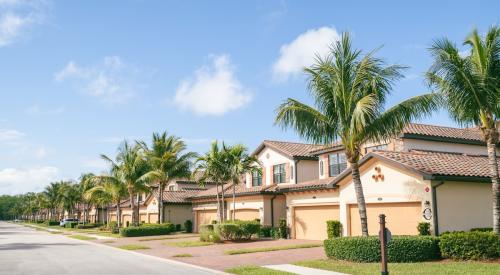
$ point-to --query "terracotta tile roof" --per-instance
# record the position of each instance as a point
(471, 134)
(240, 190)
(441, 163)
(308, 185)
(176, 196)
(290, 149)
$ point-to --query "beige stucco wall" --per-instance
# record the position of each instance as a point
(464, 205)
(267, 158)
(410, 144)
(178, 214)
(307, 170)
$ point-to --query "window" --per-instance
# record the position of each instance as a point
(377, 147)
(279, 174)
(171, 188)
(321, 168)
(256, 178)
(337, 164)
(291, 172)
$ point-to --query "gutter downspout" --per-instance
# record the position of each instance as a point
(272, 210)
(434, 207)
(295, 170)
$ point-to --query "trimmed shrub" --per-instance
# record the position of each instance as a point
(282, 229)
(482, 229)
(424, 229)
(333, 229)
(188, 225)
(248, 228)
(52, 223)
(112, 224)
(147, 230)
(40, 221)
(178, 227)
(70, 224)
(470, 245)
(210, 236)
(206, 228)
(367, 249)
(265, 232)
(237, 230)
(88, 225)
(213, 222)
(227, 231)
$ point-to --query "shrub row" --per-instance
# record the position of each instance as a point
(52, 223)
(70, 224)
(474, 245)
(333, 229)
(399, 249)
(237, 230)
(147, 230)
(188, 226)
(88, 225)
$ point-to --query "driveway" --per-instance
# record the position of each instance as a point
(213, 256)
(26, 251)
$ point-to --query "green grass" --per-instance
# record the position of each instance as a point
(82, 237)
(185, 255)
(133, 247)
(108, 234)
(164, 238)
(267, 249)
(108, 241)
(438, 267)
(188, 244)
(255, 270)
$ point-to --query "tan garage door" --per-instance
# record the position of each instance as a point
(402, 218)
(153, 217)
(112, 217)
(247, 214)
(143, 217)
(205, 216)
(310, 221)
(125, 219)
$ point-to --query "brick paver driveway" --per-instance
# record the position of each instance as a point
(213, 256)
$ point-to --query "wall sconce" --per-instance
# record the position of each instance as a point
(314, 197)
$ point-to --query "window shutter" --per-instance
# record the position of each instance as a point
(263, 176)
(287, 172)
(326, 162)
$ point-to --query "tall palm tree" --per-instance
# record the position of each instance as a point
(239, 163)
(350, 91)
(52, 194)
(107, 189)
(69, 196)
(211, 166)
(470, 86)
(86, 183)
(129, 168)
(167, 162)
(42, 205)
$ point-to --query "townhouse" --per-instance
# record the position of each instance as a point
(427, 174)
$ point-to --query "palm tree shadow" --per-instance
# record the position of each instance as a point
(30, 246)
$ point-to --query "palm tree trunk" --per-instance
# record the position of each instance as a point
(132, 206)
(219, 219)
(493, 164)
(160, 203)
(118, 215)
(233, 214)
(360, 197)
(223, 203)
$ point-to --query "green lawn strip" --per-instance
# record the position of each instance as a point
(82, 237)
(165, 238)
(272, 248)
(185, 255)
(108, 241)
(108, 234)
(438, 267)
(188, 244)
(255, 270)
(133, 247)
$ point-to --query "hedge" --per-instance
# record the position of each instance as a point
(474, 245)
(399, 249)
(188, 225)
(88, 225)
(52, 223)
(333, 229)
(147, 230)
(237, 230)
(206, 228)
(70, 224)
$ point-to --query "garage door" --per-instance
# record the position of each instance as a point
(247, 214)
(143, 217)
(310, 221)
(126, 218)
(153, 218)
(401, 218)
(112, 217)
(205, 216)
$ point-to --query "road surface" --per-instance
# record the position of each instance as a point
(27, 251)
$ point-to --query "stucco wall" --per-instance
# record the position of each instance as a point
(267, 158)
(410, 144)
(178, 214)
(307, 170)
(464, 205)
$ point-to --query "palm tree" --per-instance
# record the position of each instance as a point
(129, 168)
(211, 167)
(350, 91)
(107, 189)
(69, 196)
(470, 86)
(42, 204)
(239, 163)
(168, 162)
(53, 198)
(86, 183)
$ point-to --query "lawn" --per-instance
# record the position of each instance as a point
(133, 247)
(165, 238)
(185, 255)
(438, 267)
(255, 270)
(273, 248)
(82, 237)
(188, 244)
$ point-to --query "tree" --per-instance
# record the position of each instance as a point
(53, 198)
(86, 183)
(350, 91)
(167, 162)
(211, 167)
(107, 189)
(129, 168)
(470, 86)
(238, 163)
(69, 197)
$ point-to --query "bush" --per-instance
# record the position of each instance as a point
(282, 229)
(237, 230)
(470, 245)
(227, 231)
(52, 223)
(265, 231)
(40, 221)
(424, 229)
(70, 224)
(147, 230)
(206, 228)
(247, 229)
(333, 229)
(213, 222)
(210, 236)
(188, 225)
(482, 229)
(367, 249)
(88, 225)
(178, 227)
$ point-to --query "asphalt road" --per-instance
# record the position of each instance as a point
(27, 251)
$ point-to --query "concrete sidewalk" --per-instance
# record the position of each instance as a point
(302, 270)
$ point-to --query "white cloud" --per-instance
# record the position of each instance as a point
(301, 52)
(214, 90)
(18, 17)
(17, 181)
(112, 81)
(40, 153)
(8, 135)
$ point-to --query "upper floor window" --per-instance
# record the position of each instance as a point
(376, 147)
(256, 178)
(321, 168)
(171, 188)
(337, 164)
(279, 174)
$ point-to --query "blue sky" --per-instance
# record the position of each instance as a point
(76, 78)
